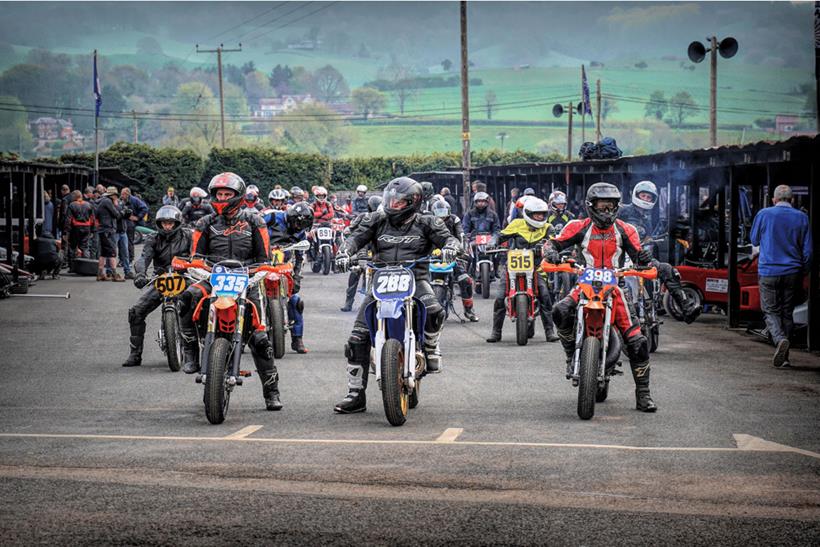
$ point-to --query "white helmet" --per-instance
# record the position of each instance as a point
(361, 188)
(440, 208)
(648, 187)
(535, 206)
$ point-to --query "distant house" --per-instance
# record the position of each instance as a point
(790, 125)
(50, 129)
(308, 45)
(276, 106)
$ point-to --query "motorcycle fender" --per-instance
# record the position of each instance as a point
(378, 344)
(390, 309)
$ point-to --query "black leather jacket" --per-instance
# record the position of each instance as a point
(642, 221)
(414, 239)
(243, 237)
(191, 213)
(160, 249)
(109, 216)
(359, 206)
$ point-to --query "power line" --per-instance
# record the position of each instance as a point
(274, 20)
(243, 23)
(322, 8)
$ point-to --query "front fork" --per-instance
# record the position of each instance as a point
(409, 365)
(580, 334)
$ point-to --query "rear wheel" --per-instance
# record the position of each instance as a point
(327, 260)
(522, 309)
(588, 377)
(217, 395)
(672, 307)
(485, 280)
(276, 330)
(173, 341)
(394, 393)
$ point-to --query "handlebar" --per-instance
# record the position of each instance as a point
(648, 272)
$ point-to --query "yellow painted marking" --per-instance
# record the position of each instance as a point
(244, 432)
(762, 446)
(450, 435)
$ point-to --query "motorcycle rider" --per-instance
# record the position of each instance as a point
(170, 240)
(373, 204)
(528, 232)
(230, 233)
(397, 232)
(481, 219)
(359, 205)
(639, 215)
(80, 220)
(603, 239)
(559, 216)
(296, 195)
(441, 209)
(278, 200)
(286, 228)
(252, 200)
(428, 191)
(196, 207)
(323, 213)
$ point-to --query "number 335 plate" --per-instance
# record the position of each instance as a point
(393, 284)
(228, 283)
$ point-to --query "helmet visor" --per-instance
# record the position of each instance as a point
(396, 200)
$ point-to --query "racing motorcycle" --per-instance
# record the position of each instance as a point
(645, 299)
(396, 319)
(278, 290)
(324, 236)
(224, 328)
(484, 270)
(170, 285)
(597, 344)
(522, 292)
(443, 282)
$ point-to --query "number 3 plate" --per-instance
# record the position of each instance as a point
(169, 284)
(393, 284)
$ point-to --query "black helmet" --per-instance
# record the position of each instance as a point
(373, 203)
(427, 190)
(599, 191)
(401, 199)
(227, 181)
(168, 212)
(299, 217)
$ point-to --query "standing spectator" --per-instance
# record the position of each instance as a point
(79, 225)
(170, 197)
(122, 239)
(138, 211)
(448, 197)
(782, 232)
(65, 199)
(108, 214)
(46, 252)
(48, 213)
(508, 217)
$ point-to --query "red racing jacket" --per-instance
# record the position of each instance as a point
(323, 211)
(599, 248)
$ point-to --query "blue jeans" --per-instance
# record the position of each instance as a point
(122, 251)
(778, 297)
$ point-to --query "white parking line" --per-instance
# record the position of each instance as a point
(244, 432)
(760, 445)
(450, 435)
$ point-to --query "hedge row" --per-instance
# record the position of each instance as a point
(158, 168)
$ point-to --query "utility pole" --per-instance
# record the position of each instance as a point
(219, 52)
(136, 136)
(817, 63)
(465, 110)
(569, 143)
(713, 94)
(598, 114)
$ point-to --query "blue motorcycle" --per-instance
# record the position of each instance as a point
(396, 323)
(443, 282)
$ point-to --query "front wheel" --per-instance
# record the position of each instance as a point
(327, 260)
(485, 280)
(173, 341)
(588, 377)
(394, 392)
(217, 395)
(522, 310)
(276, 331)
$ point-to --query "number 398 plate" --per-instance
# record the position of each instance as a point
(393, 284)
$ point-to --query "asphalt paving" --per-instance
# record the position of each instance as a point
(94, 453)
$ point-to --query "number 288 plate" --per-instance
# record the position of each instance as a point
(393, 284)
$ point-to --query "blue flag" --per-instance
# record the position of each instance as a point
(97, 92)
(585, 86)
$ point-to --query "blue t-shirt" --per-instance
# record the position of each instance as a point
(782, 232)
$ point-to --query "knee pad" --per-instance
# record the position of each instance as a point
(434, 321)
(357, 349)
(133, 316)
(260, 345)
(637, 349)
(563, 313)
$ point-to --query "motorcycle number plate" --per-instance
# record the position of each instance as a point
(228, 283)
(324, 233)
(520, 260)
(601, 275)
(169, 284)
(483, 239)
(393, 284)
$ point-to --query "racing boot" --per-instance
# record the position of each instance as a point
(356, 399)
(190, 349)
(643, 400)
(433, 352)
(262, 353)
(498, 321)
(550, 334)
(468, 310)
(690, 309)
(136, 340)
(270, 389)
(297, 345)
(567, 339)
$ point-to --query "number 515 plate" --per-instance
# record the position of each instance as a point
(519, 260)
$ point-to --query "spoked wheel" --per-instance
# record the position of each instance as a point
(522, 308)
(485, 280)
(588, 377)
(276, 330)
(327, 260)
(394, 392)
(217, 395)
(672, 307)
(173, 341)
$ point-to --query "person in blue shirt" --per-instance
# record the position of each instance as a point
(286, 228)
(138, 211)
(782, 233)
